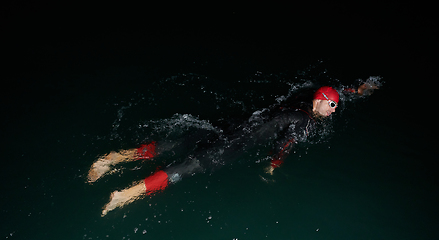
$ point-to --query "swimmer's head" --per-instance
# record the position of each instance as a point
(325, 101)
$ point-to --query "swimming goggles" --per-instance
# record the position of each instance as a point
(331, 103)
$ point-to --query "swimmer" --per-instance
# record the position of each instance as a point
(283, 126)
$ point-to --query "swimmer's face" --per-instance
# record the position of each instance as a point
(323, 108)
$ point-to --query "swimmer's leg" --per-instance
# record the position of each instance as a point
(152, 184)
(104, 163)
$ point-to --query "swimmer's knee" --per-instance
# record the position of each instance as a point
(194, 165)
(186, 168)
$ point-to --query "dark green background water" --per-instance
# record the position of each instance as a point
(80, 87)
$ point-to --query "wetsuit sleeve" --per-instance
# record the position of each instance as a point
(352, 89)
(349, 90)
(299, 122)
(279, 157)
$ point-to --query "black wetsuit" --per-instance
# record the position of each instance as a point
(278, 128)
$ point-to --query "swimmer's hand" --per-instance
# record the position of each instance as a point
(367, 88)
(266, 178)
(269, 170)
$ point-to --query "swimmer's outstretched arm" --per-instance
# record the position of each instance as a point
(104, 163)
(366, 88)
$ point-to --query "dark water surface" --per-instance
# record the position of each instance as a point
(373, 175)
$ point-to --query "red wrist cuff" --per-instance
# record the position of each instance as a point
(156, 182)
(275, 163)
(350, 90)
(147, 151)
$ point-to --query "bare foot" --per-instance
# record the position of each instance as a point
(126, 196)
(103, 165)
(100, 167)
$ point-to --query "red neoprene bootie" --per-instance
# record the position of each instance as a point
(156, 182)
(147, 151)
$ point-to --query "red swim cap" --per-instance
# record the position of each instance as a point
(329, 92)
